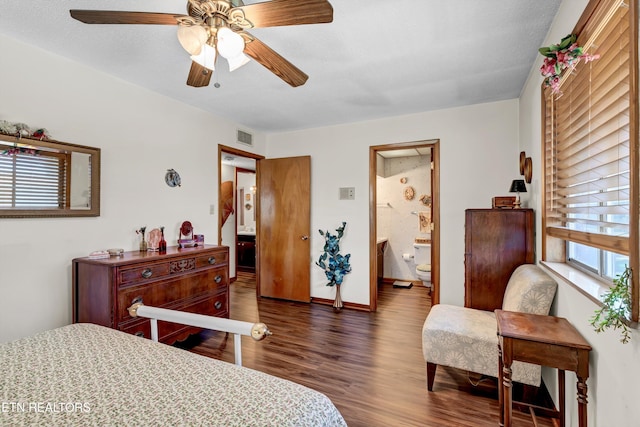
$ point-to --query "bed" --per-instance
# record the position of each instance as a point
(89, 375)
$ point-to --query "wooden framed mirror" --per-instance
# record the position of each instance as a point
(45, 178)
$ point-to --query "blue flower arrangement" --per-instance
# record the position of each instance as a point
(334, 264)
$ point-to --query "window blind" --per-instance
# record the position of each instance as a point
(587, 141)
(32, 181)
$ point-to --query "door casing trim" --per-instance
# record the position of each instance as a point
(435, 234)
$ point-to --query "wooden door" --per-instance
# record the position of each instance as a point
(284, 188)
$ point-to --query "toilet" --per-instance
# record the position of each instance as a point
(422, 258)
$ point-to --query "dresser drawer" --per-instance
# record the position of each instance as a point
(217, 258)
(169, 332)
(145, 272)
(182, 289)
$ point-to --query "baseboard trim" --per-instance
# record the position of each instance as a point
(349, 305)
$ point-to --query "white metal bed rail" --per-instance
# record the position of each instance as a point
(257, 331)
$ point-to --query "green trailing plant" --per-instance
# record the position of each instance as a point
(335, 265)
(615, 310)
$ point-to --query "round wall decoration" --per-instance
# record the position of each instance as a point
(172, 178)
(409, 193)
(528, 170)
(523, 156)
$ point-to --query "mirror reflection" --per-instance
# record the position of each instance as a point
(48, 178)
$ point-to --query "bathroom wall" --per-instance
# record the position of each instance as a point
(395, 220)
(246, 205)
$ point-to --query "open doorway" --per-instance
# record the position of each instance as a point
(237, 197)
(415, 209)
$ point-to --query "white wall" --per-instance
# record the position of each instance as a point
(478, 155)
(246, 181)
(614, 369)
(141, 135)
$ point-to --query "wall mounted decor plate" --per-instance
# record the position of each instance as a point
(409, 193)
(425, 199)
(523, 157)
(172, 178)
(528, 170)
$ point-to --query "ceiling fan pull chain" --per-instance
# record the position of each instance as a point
(216, 84)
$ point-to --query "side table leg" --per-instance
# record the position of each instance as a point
(561, 396)
(506, 394)
(500, 389)
(582, 402)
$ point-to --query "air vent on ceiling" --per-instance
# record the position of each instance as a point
(245, 138)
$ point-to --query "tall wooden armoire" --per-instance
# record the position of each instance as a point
(496, 242)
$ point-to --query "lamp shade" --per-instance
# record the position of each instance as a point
(192, 38)
(518, 186)
(237, 61)
(206, 58)
(230, 44)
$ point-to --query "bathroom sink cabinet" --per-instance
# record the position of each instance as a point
(380, 247)
(246, 249)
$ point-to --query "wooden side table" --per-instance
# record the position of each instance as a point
(542, 340)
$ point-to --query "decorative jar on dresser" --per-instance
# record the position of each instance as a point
(194, 279)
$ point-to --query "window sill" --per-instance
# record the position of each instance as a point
(588, 286)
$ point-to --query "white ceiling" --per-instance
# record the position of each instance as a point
(378, 58)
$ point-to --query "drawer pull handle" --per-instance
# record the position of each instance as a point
(218, 279)
(139, 334)
(146, 273)
(212, 260)
(217, 305)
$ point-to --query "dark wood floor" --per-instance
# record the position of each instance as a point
(369, 364)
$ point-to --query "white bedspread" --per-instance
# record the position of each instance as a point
(89, 375)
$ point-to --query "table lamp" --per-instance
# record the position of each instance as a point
(517, 186)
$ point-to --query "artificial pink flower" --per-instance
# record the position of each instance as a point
(548, 67)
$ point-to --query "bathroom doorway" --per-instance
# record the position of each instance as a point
(237, 220)
(405, 189)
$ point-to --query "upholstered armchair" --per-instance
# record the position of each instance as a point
(466, 338)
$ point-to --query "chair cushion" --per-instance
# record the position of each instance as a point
(530, 290)
(466, 338)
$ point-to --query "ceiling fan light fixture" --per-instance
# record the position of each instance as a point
(192, 38)
(230, 44)
(237, 61)
(206, 57)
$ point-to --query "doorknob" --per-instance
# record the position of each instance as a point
(305, 237)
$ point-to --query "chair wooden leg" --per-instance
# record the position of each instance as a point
(431, 375)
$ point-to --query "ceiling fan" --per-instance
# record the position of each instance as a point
(215, 28)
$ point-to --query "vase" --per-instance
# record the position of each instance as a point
(143, 244)
(337, 303)
(162, 246)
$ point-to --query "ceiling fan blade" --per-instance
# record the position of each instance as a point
(199, 76)
(120, 17)
(275, 63)
(277, 13)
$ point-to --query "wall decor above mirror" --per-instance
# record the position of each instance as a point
(46, 178)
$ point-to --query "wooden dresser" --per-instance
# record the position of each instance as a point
(496, 242)
(189, 279)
